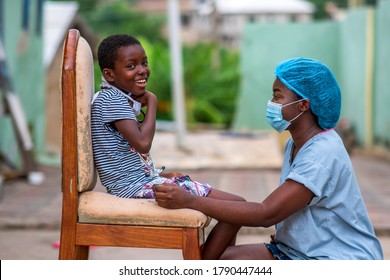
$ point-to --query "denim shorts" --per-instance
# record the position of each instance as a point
(276, 252)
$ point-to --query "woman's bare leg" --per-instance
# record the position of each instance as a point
(247, 252)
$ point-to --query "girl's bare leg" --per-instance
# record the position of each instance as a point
(222, 235)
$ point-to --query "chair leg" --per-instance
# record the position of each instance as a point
(67, 247)
(191, 247)
(70, 251)
(81, 252)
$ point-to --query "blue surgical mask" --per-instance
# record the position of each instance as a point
(275, 117)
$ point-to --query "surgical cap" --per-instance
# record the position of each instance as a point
(313, 80)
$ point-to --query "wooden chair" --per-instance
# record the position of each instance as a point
(96, 218)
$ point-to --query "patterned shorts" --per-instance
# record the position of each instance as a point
(185, 182)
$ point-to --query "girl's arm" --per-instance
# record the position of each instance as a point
(141, 136)
(281, 203)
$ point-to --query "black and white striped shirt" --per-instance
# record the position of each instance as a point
(120, 169)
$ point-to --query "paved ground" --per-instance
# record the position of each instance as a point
(242, 163)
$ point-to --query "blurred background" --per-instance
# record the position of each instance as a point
(229, 50)
(221, 72)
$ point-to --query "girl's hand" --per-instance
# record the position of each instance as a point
(146, 98)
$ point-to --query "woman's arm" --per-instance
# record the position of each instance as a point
(281, 203)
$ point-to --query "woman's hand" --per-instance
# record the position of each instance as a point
(171, 196)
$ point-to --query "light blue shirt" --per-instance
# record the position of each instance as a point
(335, 224)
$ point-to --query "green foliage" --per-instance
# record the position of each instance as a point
(160, 79)
(114, 17)
(320, 12)
(211, 79)
(211, 75)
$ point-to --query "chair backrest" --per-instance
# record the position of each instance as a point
(77, 89)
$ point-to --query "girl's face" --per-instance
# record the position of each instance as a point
(131, 72)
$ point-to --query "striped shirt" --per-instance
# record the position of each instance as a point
(120, 168)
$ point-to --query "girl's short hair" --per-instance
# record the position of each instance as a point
(108, 49)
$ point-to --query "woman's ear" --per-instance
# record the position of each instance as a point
(304, 105)
(108, 75)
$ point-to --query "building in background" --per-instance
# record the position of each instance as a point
(223, 21)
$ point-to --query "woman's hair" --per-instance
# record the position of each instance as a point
(108, 49)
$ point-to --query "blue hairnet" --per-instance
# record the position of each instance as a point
(313, 80)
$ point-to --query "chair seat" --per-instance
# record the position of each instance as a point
(101, 208)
